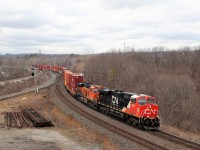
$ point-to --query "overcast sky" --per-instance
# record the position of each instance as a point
(80, 26)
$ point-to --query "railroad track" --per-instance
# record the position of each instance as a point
(178, 140)
(12, 79)
(48, 84)
(16, 120)
(110, 127)
(19, 78)
(26, 117)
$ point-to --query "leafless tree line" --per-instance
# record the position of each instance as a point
(172, 76)
(19, 64)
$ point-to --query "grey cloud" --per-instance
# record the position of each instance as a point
(36, 39)
(180, 36)
(118, 4)
(23, 21)
(95, 23)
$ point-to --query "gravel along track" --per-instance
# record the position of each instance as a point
(111, 127)
(113, 124)
(175, 139)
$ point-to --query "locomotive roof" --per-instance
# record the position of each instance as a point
(134, 96)
(105, 89)
(143, 95)
(130, 93)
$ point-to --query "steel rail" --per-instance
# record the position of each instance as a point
(30, 90)
(110, 127)
(176, 139)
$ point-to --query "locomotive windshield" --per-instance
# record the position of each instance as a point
(151, 101)
(142, 101)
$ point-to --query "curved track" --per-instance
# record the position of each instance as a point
(14, 79)
(48, 84)
(110, 127)
(178, 140)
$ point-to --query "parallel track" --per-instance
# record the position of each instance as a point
(10, 79)
(28, 91)
(178, 140)
(110, 127)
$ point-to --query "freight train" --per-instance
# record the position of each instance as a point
(140, 110)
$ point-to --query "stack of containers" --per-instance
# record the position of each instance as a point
(54, 68)
(60, 68)
(66, 75)
(74, 79)
(39, 67)
(46, 67)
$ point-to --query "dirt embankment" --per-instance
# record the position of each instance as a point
(67, 133)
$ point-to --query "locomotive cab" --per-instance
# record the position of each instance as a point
(145, 111)
(88, 91)
(148, 106)
(148, 112)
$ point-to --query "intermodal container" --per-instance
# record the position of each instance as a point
(66, 74)
(74, 79)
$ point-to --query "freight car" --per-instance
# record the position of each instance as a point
(56, 69)
(71, 81)
(138, 109)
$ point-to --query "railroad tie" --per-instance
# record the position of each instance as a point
(29, 123)
(8, 120)
(17, 120)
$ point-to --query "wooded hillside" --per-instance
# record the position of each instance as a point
(172, 76)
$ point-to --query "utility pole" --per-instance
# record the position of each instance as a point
(35, 79)
(50, 65)
(124, 46)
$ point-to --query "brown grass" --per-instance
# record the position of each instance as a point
(72, 126)
(64, 123)
(13, 87)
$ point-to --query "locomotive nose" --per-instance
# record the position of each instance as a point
(149, 111)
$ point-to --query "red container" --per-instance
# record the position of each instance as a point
(55, 68)
(60, 69)
(39, 67)
(66, 74)
(74, 79)
(45, 67)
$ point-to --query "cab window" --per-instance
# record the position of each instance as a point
(151, 101)
(142, 101)
(133, 100)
